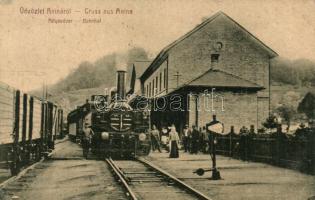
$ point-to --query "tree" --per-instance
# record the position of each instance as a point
(271, 122)
(291, 98)
(287, 113)
(299, 72)
(307, 105)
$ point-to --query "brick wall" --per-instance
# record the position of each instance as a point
(240, 55)
(232, 109)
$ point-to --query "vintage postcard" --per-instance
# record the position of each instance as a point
(160, 99)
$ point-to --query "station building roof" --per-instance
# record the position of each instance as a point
(163, 53)
(219, 78)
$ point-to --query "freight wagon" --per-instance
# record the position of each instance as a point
(28, 128)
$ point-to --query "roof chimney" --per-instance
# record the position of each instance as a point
(121, 90)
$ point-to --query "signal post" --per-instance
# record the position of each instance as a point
(214, 127)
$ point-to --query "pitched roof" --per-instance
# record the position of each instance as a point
(218, 78)
(170, 46)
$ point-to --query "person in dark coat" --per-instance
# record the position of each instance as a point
(185, 137)
(195, 135)
(174, 140)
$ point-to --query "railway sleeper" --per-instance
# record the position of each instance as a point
(149, 181)
(139, 172)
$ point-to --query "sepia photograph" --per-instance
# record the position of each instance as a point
(157, 100)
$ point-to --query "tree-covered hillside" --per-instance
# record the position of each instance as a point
(100, 73)
(299, 72)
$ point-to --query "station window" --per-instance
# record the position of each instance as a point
(156, 83)
(149, 90)
(165, 77)
(160, 81)
(153, 87)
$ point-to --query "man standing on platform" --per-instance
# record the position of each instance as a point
(155, 137)
(185, 138)
(195, 140)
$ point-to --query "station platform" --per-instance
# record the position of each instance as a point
(240, 179)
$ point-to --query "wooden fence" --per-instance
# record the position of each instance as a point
(292, 151)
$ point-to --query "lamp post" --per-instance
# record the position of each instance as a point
(213, 127)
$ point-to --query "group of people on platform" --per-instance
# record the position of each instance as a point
(192, 140)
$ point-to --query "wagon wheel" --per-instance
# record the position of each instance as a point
(27, 155)
(14, 161)
(15, 167)
(37, 153)
(15, 164)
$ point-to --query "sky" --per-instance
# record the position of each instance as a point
(33, 51)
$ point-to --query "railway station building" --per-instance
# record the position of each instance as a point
(216, 68)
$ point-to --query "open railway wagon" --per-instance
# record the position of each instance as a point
(27, 128)
(117, 129)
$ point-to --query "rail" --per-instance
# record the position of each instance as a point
(125, 181)
(176, 180)
(121, 177)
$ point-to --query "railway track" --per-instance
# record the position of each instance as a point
(143, 180)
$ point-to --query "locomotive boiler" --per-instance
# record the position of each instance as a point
(116, 128)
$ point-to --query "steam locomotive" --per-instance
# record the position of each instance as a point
(28, 128)
(117, 127)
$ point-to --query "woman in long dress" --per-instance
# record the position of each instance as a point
(174, 139)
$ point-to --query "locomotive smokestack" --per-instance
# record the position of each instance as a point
(121, 90)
